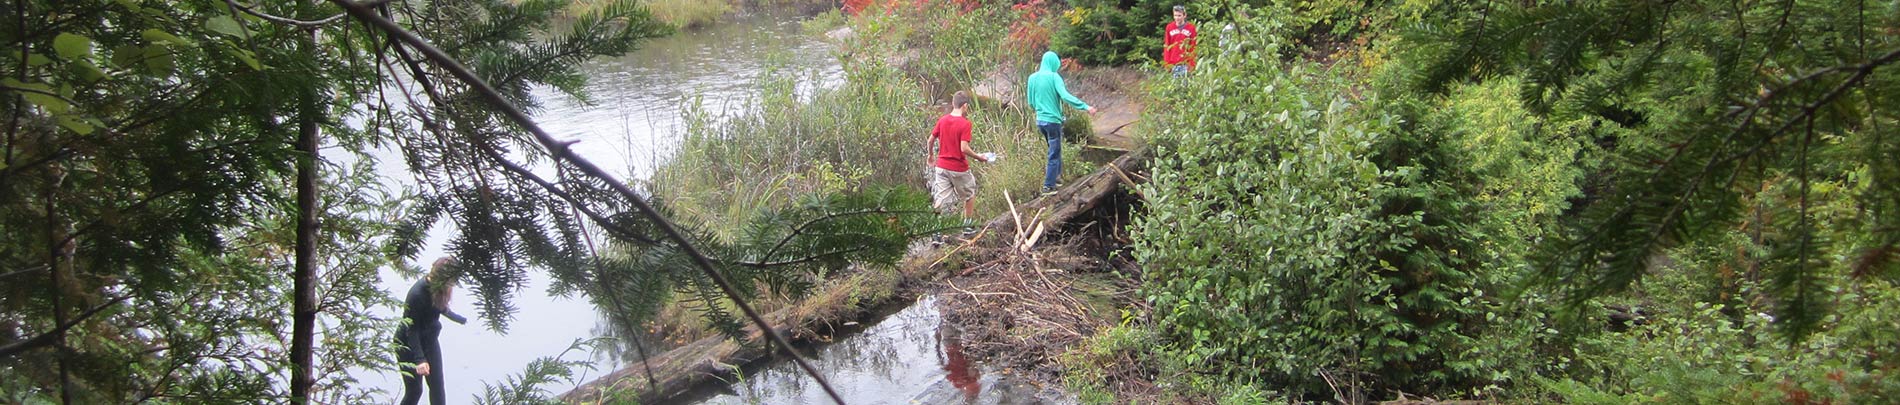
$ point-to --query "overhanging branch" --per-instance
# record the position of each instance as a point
(560, 151)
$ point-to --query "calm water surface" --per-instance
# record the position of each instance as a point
(908, 357)
(633, 125)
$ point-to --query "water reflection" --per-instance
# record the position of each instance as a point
(910, 357)
(895, 359)
(957, 367)
(632, 125)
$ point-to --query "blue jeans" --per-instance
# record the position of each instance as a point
(1053, 133)
(1180, 70)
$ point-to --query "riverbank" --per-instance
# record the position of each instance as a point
(694, 14)
(1046, 228)
(863, 133)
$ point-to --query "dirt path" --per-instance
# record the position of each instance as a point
(1115, 91)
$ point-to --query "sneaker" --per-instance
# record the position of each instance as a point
(1048, 191)
(969, 231)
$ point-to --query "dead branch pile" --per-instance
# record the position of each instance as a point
(1018, 303)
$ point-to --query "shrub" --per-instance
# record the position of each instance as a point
(1307, 242)
(1117, 32)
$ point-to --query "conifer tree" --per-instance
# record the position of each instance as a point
(152, 154)
(1705, 106)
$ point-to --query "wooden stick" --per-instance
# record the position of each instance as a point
(1018, 217)
(1124, 176)
(1033, 236)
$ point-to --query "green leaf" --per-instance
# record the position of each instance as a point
(69, 45)
(87, 71)
(156, 35)
(37, 60)
(75, 124)
(127, 56)
(45, 101)
(245, 55)
(159, 60)
(224, 25)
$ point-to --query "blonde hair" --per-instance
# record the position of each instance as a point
(443, 277)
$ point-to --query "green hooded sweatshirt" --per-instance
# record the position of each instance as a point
(1047, 93)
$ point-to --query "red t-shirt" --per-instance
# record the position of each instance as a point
(950, 133)
(1178, 45)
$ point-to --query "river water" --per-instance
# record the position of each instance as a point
(907, 357)
(633, 126)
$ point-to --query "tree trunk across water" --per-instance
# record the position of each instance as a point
(680, 369)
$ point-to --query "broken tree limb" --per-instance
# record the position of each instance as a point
(1080, 195)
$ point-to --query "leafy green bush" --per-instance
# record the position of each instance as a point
(1304, 241)
(1714, 354)
(1119, 32)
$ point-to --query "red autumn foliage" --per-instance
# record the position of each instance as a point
(1027, 34)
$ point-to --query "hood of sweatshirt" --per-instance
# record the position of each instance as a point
(1050, 62)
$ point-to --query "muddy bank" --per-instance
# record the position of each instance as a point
(1021, 306)
(851, 297)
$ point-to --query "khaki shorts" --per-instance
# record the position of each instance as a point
(948, 189)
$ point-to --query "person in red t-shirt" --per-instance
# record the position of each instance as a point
(950, 181)
(1178, 43)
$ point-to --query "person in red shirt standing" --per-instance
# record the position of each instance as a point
(1178, 43)
(950, 181)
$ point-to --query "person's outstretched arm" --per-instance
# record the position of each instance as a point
(971, 153)
(455, 317)
(1062, 89)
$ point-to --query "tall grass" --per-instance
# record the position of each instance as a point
(870, 130)
(781, 145)
(678, 13)
(946, 48)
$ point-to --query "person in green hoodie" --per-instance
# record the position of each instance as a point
(1047, 93)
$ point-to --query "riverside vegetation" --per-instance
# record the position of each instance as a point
(151, 165)
(1594, 202)
(794, 138)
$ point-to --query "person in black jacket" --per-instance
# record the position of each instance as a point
(419, 355)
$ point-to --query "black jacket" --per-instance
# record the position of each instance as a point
(419, 335)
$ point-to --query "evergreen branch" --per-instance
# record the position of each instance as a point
(817, 257)
(285, 20)
(796, 231)
(35, 269)
(613, 295)
(49, 337)
(575, 202)
(561, 151)
(134, 207)
(1679, 203)
(1861, 72)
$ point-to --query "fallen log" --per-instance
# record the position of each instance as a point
(680, 369)
(1078, 196)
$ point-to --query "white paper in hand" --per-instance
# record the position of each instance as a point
(990, 156)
